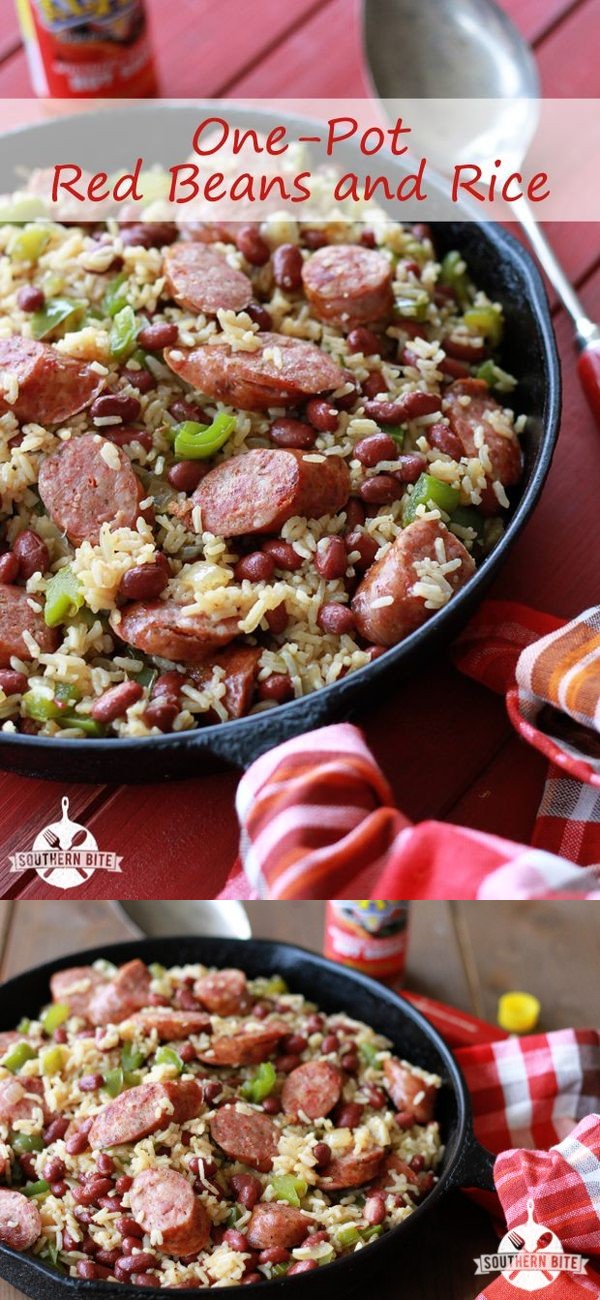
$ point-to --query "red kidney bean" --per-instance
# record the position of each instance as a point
(182, 411)
(288, 1063)
(410, 467)
(108, 1257)
(123, 1184)
(413, 329)
(250, 1279)
(303, 1266)
(169, 683)
(54, 1169)
(252, 245)
(128, 1245)
(314, 239)
(330, 1043)
(128, 1227)
(377, 447)
(116, 701)
(121, 404)
(376, 1096)
(159, 334)
(112, 1203)
(379, 490)
(322, 1153)
(260, 315)
(149, 234)
(11, 682)
(443, 294)
(443, 439)
(78, 1142)
(149, 1279)
(463, 351)
(411, 268)
(366, 546)
(123, 437)
(346, 402)
(31, 554)
(409, 357)
(417, 1164)
(91, 1083)
(237, 1240)
(295, 1043)
(247, 1188)
(293, 433)
(86, 1269)
(59, 1188)
(187, 1052)
(139, 1263)
(210, 1091)
(283, 554)
(274, 1255)
(404, 1119)
(374, 384)
(82, 1215)
(335, 618)
(258, 566)
(355, 514)
(161, 713)
(322, 415)
(287, 267)
(367, 239)
(55, 1130)
(27, 1163)
(364, 340)
(260, 1010)
(277, 687)
(277, 619)
(30, 298)
(350, 1063)
(60, 1034)
(186, 1000)
(331, 558)
(348, 1115)
(140, 379)
(408, 407)
(143, 582)
(9, 567)
(272, 1105)
(105, 1164)
(314, 1023)
(375, 1210)
(90, 1193)
(185, 475)
(454, 369)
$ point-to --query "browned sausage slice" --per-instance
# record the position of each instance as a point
(250, 1138)
(349, 285)
(209, 232)
(17, 617)
(20, 1099)
(258, 491)
(281, 372)
(277, 1225)
(240, 664)
(313, 1088)
(244, 1048)
(410, 1091)
(143, 1110)
(393, 578)
(394, 1166)
(20, 1222)
(200, 279)
(52, 387)
(82, 490)
(164, 628)
(352, 1170)
(75, 988)
(163, 1201)
(224, 992)
(170, 1025)
(469, 407)
(126, 992)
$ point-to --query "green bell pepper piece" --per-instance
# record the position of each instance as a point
(429, 489)
(156, 970)
(469, 517)
(275, 985)
(397, 432)
(64, 597)
(24, 1025)
(24, 208)
(370, 1055)
(56, 312)
(407, 308)
(52, 1061)
(290, 1189)
(114, 1082)
(486, 321)
(201, 441)
(114, 299)
(95, 730)
(131, 1057)
(18, 1055)
(455, 276)
(168, 1056)
(369, 1234)
(36, 1189)
(123, 333)
(234, 1215)
(260, 1084)
(55, 1016)
(27, 245)
(279, 1270)
(349, 1235)
(25, 1143)
(487, 372)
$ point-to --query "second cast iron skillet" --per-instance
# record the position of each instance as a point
(465, 1162)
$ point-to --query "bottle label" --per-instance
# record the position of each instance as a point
(371, 936)
(61, 15)
(90, 48)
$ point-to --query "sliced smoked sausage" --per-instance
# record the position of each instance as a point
(258, 491)
(75, 988)
(17, 617)
(20, 1222)
(115, 999)
(348, 285)
(394, 577)
(245, 1048)
(275, 1224)
(470, 407)
(170, 1025)
(20, 1099)
(166, 629)
(252, 1138)
(86, 483)
(240, 664)
(410, 1091)
(52, 387)
(352, 1170)
(313, 1088)
(201, 279)
(164, 1201)
(283, 371)
(224, 992)
(143, 1110)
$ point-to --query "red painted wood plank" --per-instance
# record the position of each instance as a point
(534, 17)
(28, 806)
(567, 70)
(505, 797)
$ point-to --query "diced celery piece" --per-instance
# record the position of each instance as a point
(52, 1061)
(18, 1055)
(486, 322)
(369, 1054)
(349, 1235)
(55, 1016)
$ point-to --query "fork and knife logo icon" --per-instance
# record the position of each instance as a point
(65, 854)
(530, 1256)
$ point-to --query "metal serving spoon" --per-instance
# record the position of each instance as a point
(469, 49)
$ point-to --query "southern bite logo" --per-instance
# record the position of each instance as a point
(65, 854)
(530, 1256)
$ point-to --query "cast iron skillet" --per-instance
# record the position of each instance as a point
(503, 268)
(465, 1162)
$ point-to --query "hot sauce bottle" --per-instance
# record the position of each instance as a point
(88, 48)
(370, 936)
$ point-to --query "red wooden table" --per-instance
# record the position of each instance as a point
(444, 742)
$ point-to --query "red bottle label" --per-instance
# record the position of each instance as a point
(91, 48)
(370, 936)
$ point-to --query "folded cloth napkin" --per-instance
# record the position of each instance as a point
(317, 814)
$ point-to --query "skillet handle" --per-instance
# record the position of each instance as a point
(475, 1167)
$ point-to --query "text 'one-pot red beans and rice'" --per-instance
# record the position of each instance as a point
(236, 463)
(191, 1127)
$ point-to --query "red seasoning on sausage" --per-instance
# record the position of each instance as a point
(313, 1089)
(275, 1224)
(240, 664)
(200, 279)
(282, 372)
(470, 407)
(352, 1170)
(20, 1221)
(87, 482)
(164, 628)
(143, 1110)
(170, 1025)
(163, 1201)
(261, 489)
(224, 992)
(17, 617)
(126, 992)
(348, 285)
(249, 1137)
(410, 1091)
(245, 1048)
(52, 387)
(75, 988)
